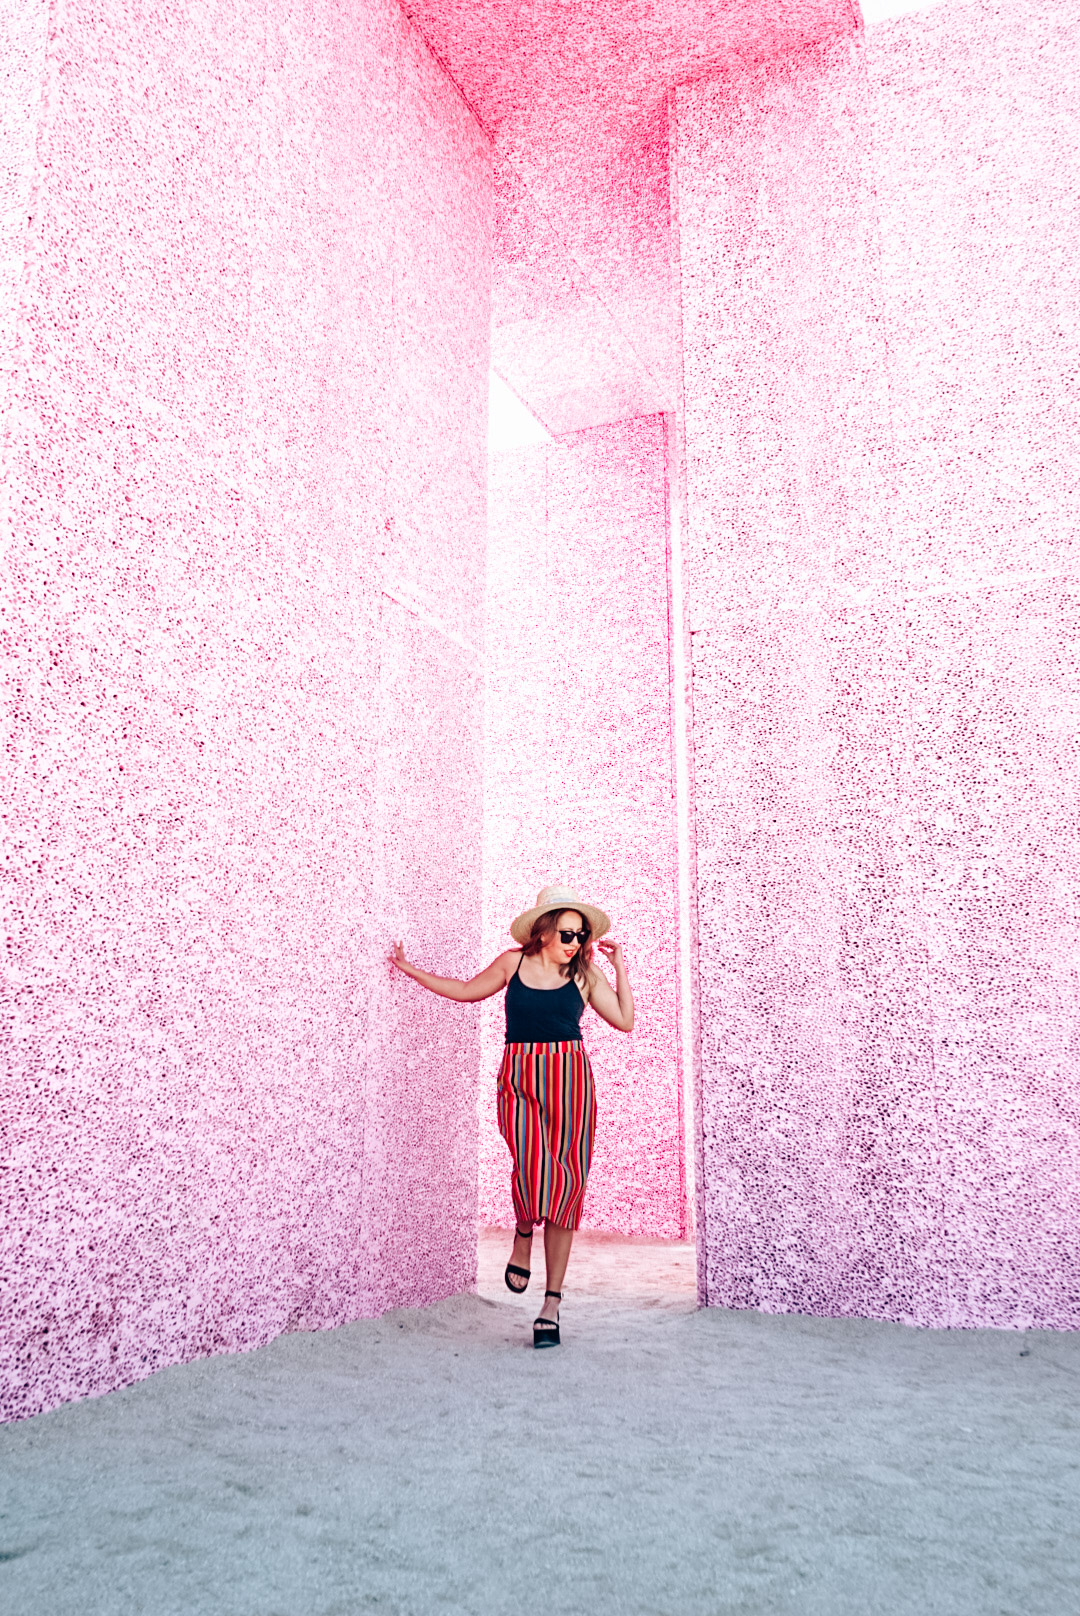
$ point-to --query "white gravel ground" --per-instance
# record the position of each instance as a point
(662, 1462)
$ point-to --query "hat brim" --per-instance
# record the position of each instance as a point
(599, 923)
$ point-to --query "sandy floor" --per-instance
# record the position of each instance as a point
(662, 1461)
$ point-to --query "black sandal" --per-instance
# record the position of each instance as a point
(512, 1268)
(546, 1331)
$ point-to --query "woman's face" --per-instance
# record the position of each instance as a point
(562, 953)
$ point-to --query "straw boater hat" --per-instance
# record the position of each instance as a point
(560, 898)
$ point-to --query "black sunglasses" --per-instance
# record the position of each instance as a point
(568, 937)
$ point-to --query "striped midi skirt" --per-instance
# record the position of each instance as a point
(547, 1115)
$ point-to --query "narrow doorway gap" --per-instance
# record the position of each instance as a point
(608, 1273)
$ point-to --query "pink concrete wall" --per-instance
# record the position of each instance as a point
(579, 786)
(243, 351)
(574, 93)
(878, 295)
(244, 569)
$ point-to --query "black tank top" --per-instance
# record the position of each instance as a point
(542, 1015)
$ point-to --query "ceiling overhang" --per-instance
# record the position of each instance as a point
(574, 95)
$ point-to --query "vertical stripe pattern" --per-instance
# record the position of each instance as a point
(547, 1115)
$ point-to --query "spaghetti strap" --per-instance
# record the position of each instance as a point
(517, 967)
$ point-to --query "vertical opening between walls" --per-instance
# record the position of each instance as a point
(681, 728)
(680, 737)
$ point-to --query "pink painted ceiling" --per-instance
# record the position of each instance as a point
(573, 94)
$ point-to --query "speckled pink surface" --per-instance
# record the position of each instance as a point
(879, 314)
(244, 337)
(243, 575)
(574, 96)
(578, 783)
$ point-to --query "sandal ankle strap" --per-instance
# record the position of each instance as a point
(554, 1293)
(523, 1234)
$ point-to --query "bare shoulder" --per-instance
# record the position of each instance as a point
(506, 963)
(594, 978)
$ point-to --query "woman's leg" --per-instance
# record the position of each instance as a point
(521, 1256)
(557, 1243)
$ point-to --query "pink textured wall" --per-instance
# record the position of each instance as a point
(578, 782)
(879, 317)
(243, 352)
(23, 30)
(244, 573)
(573, 95)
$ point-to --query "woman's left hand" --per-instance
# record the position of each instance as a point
(612, 952)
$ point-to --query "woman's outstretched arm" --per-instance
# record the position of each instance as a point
(484, 986)
(616, 1007)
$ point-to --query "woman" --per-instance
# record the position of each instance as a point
(547, 1109)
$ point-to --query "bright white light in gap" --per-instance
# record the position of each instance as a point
(510, 424)
(880, 10)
